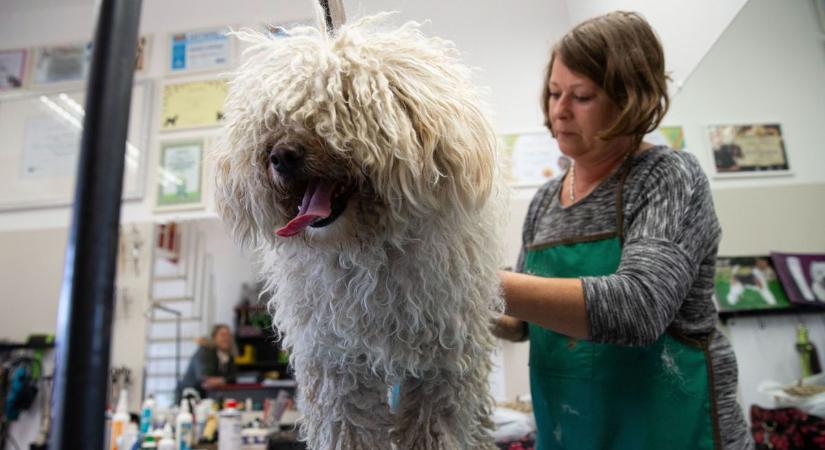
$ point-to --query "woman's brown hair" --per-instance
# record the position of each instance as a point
(218, 327)
(620, 52)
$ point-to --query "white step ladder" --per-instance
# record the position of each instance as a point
(182, 308)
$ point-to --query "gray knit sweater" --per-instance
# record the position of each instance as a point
(665, 278)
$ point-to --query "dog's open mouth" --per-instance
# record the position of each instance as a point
(323, 202)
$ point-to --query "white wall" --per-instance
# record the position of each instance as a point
(230, 269)
(687, 29)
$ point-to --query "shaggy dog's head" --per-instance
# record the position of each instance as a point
(366, 135)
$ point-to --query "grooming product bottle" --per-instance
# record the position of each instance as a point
(183, 427)
(229, 427)
(808, 357)
(147, 414)
(119, 420)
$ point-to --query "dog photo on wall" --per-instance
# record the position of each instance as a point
(358, 165)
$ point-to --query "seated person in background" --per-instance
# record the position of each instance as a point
(213, 364)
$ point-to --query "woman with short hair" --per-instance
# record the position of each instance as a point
(617, 263)
(213, 364)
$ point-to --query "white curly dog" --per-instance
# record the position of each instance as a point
(362, 171)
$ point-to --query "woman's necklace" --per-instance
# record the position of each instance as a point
(572, 190)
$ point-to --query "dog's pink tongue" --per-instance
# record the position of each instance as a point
(317, 204)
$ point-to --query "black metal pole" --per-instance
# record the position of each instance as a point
(327, 16)
(84, 320)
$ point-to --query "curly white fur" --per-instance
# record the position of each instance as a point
(402, 286)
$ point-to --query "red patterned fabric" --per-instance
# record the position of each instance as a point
(786, 429)
(525, 443)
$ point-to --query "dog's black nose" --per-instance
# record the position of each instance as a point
(286, 160)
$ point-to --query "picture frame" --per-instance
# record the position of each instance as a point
(180, 173)
(803, 275)
(748, 283)
(747, 150)
(192, 104)
(531, 158)
(13, 69)
(202, 50)
(143, 55)
(60, 64)
(42, 131)
(672, 136)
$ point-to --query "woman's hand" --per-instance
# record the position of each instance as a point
(553, 303)
(509, 328)
(211, 382)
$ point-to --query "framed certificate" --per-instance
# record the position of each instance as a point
(197, 51)
(671, 136)
(748, 283)
(748, 150)
(180, 175)
(12, 69)
(193, 104)
(531, 158)
(60, 64)
(41, 133)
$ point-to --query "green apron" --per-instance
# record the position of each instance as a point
(593, 396)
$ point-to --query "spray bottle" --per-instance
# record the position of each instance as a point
(147, 414)
(129, 438)
(119, 420)
(183, 426)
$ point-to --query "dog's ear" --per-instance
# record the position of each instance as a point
(456, 155)
(465, 154)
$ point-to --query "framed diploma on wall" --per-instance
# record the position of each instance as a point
(180, 175)
(756, 149)
(531, 158)
(12, 69)
(41, 144)
(200, 50)
(193, 104)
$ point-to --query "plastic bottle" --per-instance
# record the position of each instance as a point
(147, 414)
(119, 420)
(129, 437)
(808, 357)
(167, 442)
(229, 426)
(183, 426)
(210, 429)
(202, 411)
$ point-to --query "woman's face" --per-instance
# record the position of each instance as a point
(223, 339)
(578, 110)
